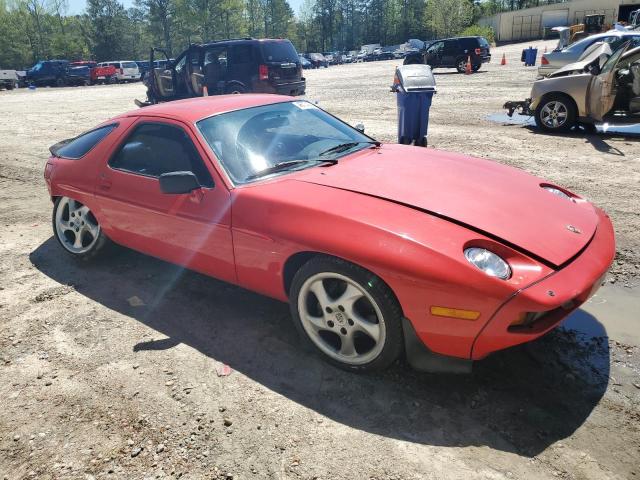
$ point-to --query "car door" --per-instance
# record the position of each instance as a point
(192, 229)
(434, 53)
(601, 93)
(450, 53)
(241, 65)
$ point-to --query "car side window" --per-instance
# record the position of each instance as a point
(156, 148)
(240, 54)
(436, 47)
(450, 45)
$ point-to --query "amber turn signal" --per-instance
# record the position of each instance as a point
(455, 313)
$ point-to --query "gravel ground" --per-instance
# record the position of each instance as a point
(132, 368)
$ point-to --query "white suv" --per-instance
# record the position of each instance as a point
(126, 71)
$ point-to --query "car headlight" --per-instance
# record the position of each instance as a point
(488, 262)
(556, 191)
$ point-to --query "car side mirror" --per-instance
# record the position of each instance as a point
(360, 127)
(178, 182)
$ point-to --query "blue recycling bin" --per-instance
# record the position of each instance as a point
(413, 116)
(530, 55)
(414, 86)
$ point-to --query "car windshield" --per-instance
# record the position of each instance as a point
(289, 136)
(37, 66)
(279, 51)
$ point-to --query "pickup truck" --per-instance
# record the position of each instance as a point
(97, 74)
(9, 79)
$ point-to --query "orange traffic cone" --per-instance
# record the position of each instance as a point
(504, 59)
(467, 68)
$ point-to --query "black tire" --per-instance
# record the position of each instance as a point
(423, 142)
(235, 89)
(381, 294)
(100, 244)
(411, 61)
(565, 104)
(405, 141)
(461, 64)
(60, 82)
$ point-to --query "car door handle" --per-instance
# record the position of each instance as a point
(104, 182)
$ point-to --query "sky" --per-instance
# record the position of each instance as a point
(78, 6)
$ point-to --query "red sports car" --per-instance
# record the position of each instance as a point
(379, 249)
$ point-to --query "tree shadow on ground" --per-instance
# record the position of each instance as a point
(520, 400)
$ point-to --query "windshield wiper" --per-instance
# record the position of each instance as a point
(343, 147)
(278, 167)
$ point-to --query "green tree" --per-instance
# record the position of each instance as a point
(445, 18)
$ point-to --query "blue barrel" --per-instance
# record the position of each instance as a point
(413, 116)
(530, 57)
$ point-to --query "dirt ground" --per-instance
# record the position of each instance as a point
(96, 383)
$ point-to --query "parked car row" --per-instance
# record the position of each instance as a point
(60, 73)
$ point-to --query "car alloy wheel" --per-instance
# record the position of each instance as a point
(75, 226)
(462, 65)
(341, 318)
(554, 114)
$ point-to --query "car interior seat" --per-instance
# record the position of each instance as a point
(165, 81)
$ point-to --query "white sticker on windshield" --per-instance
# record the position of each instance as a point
(304, 105)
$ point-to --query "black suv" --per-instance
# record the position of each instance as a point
(244, 65)
(453, 53)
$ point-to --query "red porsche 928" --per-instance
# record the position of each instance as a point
(381, 250)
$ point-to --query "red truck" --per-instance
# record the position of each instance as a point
(106, 74)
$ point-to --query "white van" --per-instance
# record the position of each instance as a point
(126, 71)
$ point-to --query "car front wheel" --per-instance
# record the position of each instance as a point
(76, 228)
(555, 113)
(349, 315)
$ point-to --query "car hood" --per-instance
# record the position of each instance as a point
(501, 202)
(599, 54)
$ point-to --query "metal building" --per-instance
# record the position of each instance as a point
(533, 23)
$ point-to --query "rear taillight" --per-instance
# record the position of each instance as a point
(478, 51)
(544, 61)
(263, 72)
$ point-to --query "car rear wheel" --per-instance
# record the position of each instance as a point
(461, 65)
(76, 228)
(555, 113)
(349, 315)
(235, 89)
(411, 61)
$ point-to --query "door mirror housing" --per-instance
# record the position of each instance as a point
(175, 183)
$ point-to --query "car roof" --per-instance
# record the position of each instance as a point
(238, 40)
(192, 110)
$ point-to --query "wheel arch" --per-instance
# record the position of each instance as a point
(298, 259)
(561, 94)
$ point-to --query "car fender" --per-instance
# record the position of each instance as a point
(419, 256)
(574, 86)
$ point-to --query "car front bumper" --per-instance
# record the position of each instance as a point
(552, 299)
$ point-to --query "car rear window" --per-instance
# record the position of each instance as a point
(483, 42)
(129, 65)
(78, 147)
(279, 51)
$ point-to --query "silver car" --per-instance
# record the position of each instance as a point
(604, 87)
(552, 61)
